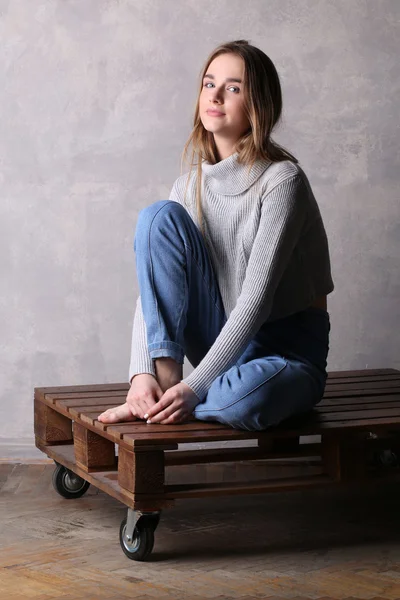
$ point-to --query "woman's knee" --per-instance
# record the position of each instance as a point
(152, 216)
(240, 418)
(265, 406)
(245, 396)
(156, 212)
(249, 412)
(269, 405)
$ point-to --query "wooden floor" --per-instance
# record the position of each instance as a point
(321, 544)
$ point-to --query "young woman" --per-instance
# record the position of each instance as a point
(233, 269)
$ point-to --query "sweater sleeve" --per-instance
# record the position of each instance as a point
(283, 216)
(141, 361)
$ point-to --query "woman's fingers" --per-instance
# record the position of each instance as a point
(176, 417)
(172, 414)
(164, 414)
(158, 408)
(146, 405)
(139, 407)
(161, 411)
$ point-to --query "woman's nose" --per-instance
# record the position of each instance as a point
(215, 95)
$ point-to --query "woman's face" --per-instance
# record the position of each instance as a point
(223, 91)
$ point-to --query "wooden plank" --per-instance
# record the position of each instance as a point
(366, 413)
(187, 457)
(375, 385)
(49, 425)
(86, 395)
(78, 411)
(285, 444)
(331, 456)
(344, 458)
(141, 426)
(141, 472)
(354, 402)
(395, 404)
(63, 389)
(353, 459)
(359, 393)
(315, 428)
(332, 382)
(190, 436)
(362, 372)
(95, 401)
(367, 387)
(93, 451)
(89, 417)
(200, 490)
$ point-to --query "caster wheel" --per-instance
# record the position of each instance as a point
(67, 484)
(142, 543)
(388, 458)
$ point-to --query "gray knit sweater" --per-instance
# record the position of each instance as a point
(269, 250)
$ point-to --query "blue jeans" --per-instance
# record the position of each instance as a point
(282, 371)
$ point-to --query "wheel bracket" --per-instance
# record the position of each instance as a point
(132, 520)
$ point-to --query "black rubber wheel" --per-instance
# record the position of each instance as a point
(67, 484)
(143, 538)
(388, 458)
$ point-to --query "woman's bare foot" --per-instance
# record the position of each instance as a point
(117, 414)
(168, 374)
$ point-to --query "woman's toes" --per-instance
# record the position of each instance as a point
(105, 416)
(117, 414)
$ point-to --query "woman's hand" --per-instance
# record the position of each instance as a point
(143, 394)
(175, 406)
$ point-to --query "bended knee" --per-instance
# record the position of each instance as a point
(150, 216)
(148, 213)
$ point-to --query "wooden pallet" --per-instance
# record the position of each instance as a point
(355, 404)
(358, 418)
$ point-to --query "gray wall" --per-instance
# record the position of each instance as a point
(96, 103)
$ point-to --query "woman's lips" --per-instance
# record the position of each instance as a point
(215, 113)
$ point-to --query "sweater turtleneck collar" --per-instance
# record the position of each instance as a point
(229, 177)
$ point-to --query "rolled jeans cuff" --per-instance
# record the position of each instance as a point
(168, 349)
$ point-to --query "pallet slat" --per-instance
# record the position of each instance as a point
(380, 396)
(372, 405)
(74, 389)
(150, 428)
(367, 387)
(332, 381)
(361, 372)
(379, 413)
(96, 401)
(193, 490)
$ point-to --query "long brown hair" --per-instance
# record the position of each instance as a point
(263, 108)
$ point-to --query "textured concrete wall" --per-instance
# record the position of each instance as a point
(96, 100)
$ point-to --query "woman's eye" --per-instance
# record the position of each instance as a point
(230, 87)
